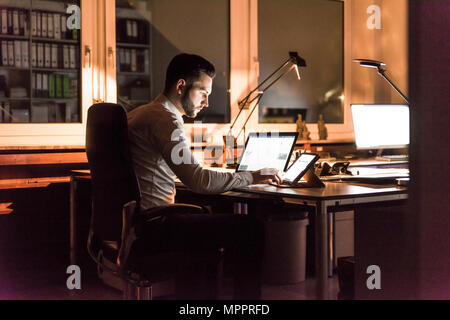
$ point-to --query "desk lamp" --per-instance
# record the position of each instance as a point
(294, 62)
(378, 65)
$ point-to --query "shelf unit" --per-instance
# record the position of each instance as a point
(133, 47)
(40, 74)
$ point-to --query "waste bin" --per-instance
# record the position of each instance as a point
(285, 253)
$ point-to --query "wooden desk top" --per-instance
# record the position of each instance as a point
(332, 190)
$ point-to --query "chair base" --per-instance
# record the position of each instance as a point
(142, 290)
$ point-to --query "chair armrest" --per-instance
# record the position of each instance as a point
(175, 208)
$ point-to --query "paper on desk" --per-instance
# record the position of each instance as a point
(379, 172)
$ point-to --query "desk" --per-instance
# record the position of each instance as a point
(335, 197)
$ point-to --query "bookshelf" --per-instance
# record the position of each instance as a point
(40, 63)
(133, 47)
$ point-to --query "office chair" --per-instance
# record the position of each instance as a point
(115, 217)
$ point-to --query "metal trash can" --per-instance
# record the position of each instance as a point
(285, 252)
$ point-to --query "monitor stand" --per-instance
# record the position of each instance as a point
(390, 157)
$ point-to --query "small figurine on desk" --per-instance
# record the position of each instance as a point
(299, 124)
(302, 129)
(323, 132)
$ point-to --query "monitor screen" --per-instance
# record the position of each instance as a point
(381, 126)
(267, 150)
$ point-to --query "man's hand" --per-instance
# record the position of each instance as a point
(267, 175)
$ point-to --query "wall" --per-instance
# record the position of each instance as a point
(388, 44)
(429, 221)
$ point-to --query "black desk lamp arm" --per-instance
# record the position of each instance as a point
(381, 71)
(242, 103)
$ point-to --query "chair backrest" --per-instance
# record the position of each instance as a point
(114, 182)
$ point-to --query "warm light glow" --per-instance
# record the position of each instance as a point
(4, 208)
(342, 97)
(298, 72)
(381, 126)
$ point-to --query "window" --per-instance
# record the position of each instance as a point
(313, 28)
(195, 26)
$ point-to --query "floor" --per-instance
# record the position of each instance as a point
(35, 284)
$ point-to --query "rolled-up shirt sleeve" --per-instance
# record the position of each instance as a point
(177, 154)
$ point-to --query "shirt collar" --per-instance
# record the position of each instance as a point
(178, 111)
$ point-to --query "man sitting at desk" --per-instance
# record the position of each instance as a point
(160, 152)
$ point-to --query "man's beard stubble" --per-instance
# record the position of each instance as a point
(187, 104)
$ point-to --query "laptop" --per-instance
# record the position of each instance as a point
(267, 150)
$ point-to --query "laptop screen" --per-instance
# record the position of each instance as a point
(267, 150)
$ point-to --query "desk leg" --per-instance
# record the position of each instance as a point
(331, 243)
(73, 235)
(321, 242)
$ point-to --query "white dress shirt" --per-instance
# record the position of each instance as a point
(161, 153)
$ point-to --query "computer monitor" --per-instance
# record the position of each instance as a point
(381, 126)
(267, 150)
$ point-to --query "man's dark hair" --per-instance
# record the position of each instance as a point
(188, 67)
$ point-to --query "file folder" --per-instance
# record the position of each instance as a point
(47, 55)
(45, 85)
(129, 33)
(66, 86)
(11, 53)
(50, 32)
(133, 60)
(51, 85)
(4, 21)
(127, 59)
(44, 23)
(10, 21)
(17, 54)
(38, 24)
(5, 53)
(38, 85)
(63, 27)
(134, 34)
(40, 55)
(33, 55)
(57, 25)
(66, 63)
(55, 56)
(33, 85)
(25, 54)
(33, 24)
(68, 113)
(15, 17)
(72, 57)
(22, 23)
(58, 86)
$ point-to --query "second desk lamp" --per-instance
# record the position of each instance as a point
(294, 61)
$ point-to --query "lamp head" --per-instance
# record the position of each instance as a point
(370, 63)
(296, 59)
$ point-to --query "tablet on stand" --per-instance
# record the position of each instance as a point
(303, 167)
